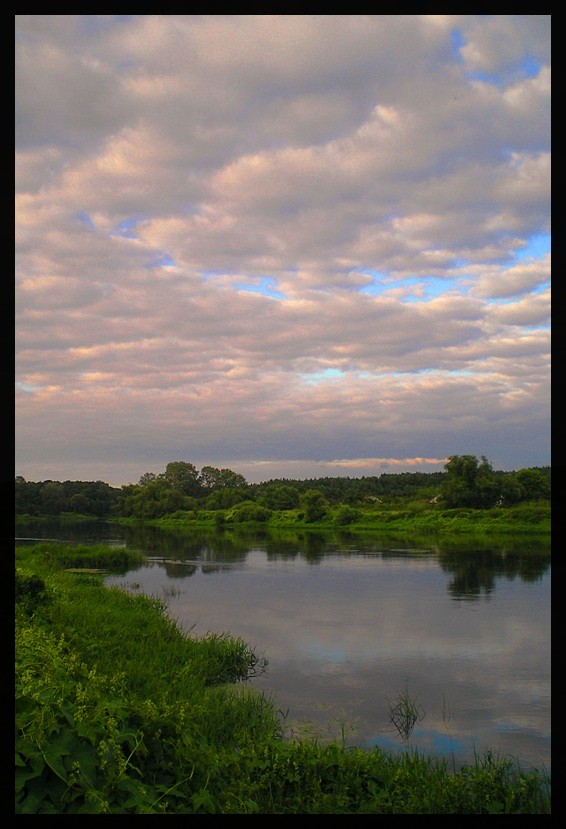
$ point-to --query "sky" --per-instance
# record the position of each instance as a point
(295, 246)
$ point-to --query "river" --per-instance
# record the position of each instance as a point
(361, 628)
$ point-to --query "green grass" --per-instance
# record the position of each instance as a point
(527, 518)
(96, 556)
(120, 712)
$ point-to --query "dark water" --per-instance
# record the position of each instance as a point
(353, 624)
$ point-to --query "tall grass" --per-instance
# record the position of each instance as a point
(119, 712)
(57, 555)
(526, 519)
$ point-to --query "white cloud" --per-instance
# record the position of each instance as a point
(166, 164)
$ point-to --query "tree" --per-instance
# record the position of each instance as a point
(509, 487)
(154, 500)
(463, 468)
(52, 498)
(27, 496)
(79, 503)
(148, 477)
(314, 505)
(211, 478)
(471, 483)
(232, 479)
(487, 489)
(280, 497)
(182, 476)
(225, 497)
(534, 485)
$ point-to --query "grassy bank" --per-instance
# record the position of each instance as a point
(531, 519)
(119, 712)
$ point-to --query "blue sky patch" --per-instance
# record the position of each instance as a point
(160, 260)
(527, 67)
(266, 286)
(429, 286)
(537, 247)
(85, 219)
(530, 66)
(458, 41)
(126, 228)
(315, 377)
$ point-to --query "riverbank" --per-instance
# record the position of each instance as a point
(532, 519)
(119, 712)
(525, 519)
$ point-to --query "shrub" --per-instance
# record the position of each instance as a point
(30, 592)
(251, 512)
(346, 515)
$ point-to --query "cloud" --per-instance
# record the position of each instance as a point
(280, 238)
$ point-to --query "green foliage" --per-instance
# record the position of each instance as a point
(279, 497)
(30, 591)
(211, 478)
(533, 484)
(345, 515)
(95, 556)
(249, 511)
(466, 482)
(535, 514)
(182, 477)
(307, 778)
(471, 483)
(75, 747)
(54, 498)
(510, 489)
(116, 707)
(155, 499)
(225, 498)
(314, 505)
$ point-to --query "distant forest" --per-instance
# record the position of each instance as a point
(466, 482)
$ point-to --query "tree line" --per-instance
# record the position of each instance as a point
(465, 482)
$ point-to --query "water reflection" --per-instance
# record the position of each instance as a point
(474, 564)
(475, 573)
(348, 620)
(474, 567)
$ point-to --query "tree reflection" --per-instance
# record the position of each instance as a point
(475, 572)
(474, 563)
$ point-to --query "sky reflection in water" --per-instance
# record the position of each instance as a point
(466, 635)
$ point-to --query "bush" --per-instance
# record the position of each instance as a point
(346, 515)
(74, 744)
(250, 512)
(530, 513)
(31, 591)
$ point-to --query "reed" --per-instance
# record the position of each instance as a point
(404, 713)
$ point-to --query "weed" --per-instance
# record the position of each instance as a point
(404, 713)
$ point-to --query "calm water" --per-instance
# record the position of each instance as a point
(348, 624)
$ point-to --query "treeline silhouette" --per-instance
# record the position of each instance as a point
(182, 487)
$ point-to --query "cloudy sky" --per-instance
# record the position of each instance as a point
(295, 246)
